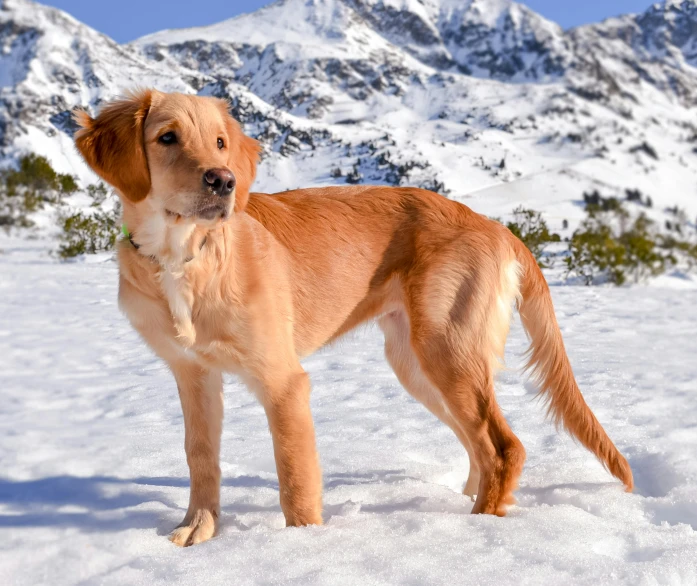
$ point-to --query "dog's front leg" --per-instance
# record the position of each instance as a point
(287, 405)
(201, 394)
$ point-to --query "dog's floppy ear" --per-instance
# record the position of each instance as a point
(113, 144)
(242, 160)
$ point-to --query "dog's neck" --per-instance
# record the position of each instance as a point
(170, 241)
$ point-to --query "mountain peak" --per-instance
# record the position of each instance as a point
(682, 4)
(667, 7)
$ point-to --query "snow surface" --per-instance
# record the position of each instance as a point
(93, 468)
(94, 474)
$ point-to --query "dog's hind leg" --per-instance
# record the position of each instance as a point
(459, 318)
(405, 364)
(201, 395)
(468, 393)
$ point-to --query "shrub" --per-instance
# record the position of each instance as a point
(67, 184)
(88, 233)
(531, 228)
(593, 251)
(354, 176)
(35, 172)
(645, 148)
(98, 192)
(597, 203)
(677, 250)
(28, 188)
(34, 183)
(608, 246)
(643, 258)
(634, 195)
(14, 210)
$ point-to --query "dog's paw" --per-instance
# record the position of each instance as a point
(196, 528)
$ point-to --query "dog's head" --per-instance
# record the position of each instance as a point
(185, 154)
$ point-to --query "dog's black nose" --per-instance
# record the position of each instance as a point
(220, 181)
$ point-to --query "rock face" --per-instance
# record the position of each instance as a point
(457, 96)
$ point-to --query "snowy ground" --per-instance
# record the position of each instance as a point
(93, 474)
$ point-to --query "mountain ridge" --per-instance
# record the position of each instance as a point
(461, 98)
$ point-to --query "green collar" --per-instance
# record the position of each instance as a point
(127, 234)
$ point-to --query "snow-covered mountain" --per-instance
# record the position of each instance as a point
(483, 100)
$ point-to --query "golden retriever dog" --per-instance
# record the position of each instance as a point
(216, 279)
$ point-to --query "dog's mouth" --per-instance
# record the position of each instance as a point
(206, 211)
(213, 212)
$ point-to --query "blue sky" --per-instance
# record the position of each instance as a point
(125, 20)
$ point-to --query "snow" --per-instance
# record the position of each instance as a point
(311, 23)
(94, 472)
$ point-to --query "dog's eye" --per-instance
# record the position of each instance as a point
(221, 143)
(168, 138)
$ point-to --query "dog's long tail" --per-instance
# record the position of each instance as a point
(550, 367)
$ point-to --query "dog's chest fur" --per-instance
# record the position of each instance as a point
(178, 292)
(180, 313)
(177, 249)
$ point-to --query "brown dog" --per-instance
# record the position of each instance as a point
(216, 279)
